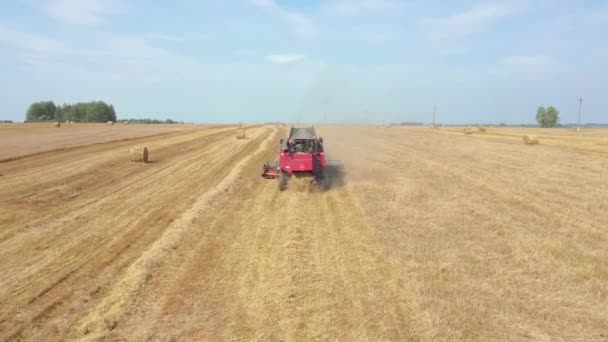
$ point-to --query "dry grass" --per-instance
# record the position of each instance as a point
(138, 154)
(18, 140)
(594, 140)
(58, 265)
(109, 312)
(417, 246)
(530, 139)
(521, 256)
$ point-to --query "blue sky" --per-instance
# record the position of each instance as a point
(334, 60)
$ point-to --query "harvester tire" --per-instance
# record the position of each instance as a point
(325, 180)
(283, 182)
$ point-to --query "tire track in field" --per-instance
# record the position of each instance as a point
(23, 142)
(280, 266)
(482, 220)
(140, 232)
(51, 224)
(79, 164)
(33, 183)
(108, 313)
(113, 237)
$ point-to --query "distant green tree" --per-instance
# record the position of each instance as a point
(58, 116)
(547, 117)
(79, 112)
(96, 111)
(151, 121)
(541, 113)
(112, 113)
(67, 112)
(552, 116)
(99, 111)
(41, 111)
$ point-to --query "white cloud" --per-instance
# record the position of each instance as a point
(54, 70)
(115, 57)
(284, 58)
(531, 67)
(356, 8)
(135, 58)
(451, 51)
(30, 43)
(465, 23)
(377, 38)
(299, 23)
(245, 53)
(80, 12)
(166, 37)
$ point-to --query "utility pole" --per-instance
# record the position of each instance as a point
(580, 104)
(434, 110)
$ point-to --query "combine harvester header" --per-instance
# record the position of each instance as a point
(303, 154)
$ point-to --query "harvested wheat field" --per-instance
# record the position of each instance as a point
(435, 235)
(18, 140)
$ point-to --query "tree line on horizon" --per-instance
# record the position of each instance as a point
(94, 111)
(99, 111)
(151, 121)
(548, 117)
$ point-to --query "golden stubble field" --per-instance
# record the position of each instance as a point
(18, 139)
(436, 235)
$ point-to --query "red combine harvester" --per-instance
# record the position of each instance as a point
(302, 154)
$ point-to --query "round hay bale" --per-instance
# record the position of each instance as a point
(138, 154)
(468, 130)
(57, 124)
(110, 123)
(240, 134)
(481, 129)
(125, 123)
(530, 140)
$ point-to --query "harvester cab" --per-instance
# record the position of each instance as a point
(303, 154)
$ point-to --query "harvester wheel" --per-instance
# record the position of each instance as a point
(325, 180)
(283, 182)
